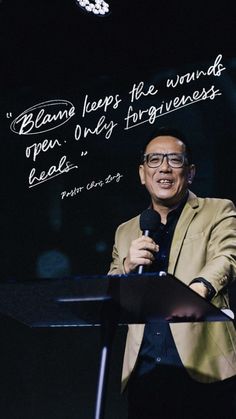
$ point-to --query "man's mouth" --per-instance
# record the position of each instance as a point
(165, 181)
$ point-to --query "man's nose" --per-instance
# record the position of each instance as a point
(165, 167)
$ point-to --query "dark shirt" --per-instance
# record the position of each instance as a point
(158, 347)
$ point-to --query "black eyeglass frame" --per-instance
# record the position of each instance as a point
(163, 155)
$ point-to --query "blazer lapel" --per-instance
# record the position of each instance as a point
(188, 213)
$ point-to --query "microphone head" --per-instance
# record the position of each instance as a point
(149, 220)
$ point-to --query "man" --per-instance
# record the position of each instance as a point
(184, 369)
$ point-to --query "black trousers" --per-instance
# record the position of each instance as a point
(170, 393)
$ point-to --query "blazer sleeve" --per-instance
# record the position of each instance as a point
(116, 266)
(220, 266)
(125, 233)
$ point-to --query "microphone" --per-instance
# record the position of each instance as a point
(150, 220)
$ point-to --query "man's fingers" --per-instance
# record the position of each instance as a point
(145, 261)
(145, 243)
(142, 252)
(146, 254)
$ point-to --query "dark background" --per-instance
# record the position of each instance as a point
(53, 50)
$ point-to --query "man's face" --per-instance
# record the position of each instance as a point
(166, 185)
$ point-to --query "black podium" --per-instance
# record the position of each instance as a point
(105, 301)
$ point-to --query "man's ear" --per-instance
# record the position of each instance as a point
(191, 173)
(141, 174)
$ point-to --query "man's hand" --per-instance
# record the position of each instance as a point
(200, 288)
(141, 252)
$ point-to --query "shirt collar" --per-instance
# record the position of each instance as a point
(175, 213)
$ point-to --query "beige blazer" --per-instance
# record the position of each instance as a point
(203, 245)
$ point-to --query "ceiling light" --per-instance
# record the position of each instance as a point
(96, 7)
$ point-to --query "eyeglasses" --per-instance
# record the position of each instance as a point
(175, 160)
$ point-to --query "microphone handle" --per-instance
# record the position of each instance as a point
(141, 267)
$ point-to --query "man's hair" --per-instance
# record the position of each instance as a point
(167, 131)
